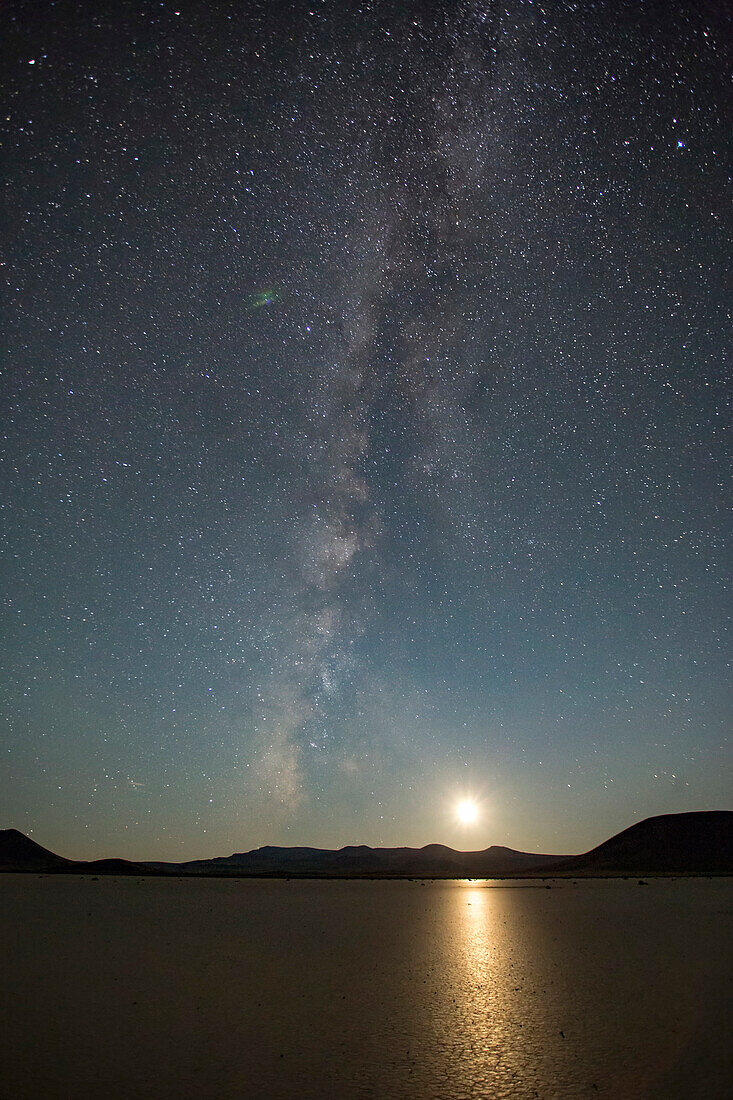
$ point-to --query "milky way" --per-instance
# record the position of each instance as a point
(364, 395)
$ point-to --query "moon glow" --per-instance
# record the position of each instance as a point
(467, 812)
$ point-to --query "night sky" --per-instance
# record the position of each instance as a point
(363, 406)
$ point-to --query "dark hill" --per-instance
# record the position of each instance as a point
(692, 843)
(111, 867)
(19, 853)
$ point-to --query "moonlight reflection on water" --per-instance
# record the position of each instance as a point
(399, 989)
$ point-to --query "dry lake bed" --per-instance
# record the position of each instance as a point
(215, 988)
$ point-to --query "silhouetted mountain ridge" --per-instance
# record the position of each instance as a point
(433, 859)
(19, 853)
(689, 843)
(671, 843)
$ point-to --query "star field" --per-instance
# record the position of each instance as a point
(364, 392)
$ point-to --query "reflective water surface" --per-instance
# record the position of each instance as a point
(214, 988)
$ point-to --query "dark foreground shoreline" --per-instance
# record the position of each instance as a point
(332, 877)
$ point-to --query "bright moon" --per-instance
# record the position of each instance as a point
(467, 812)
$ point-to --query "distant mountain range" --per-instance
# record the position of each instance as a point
(692, 843)
(433, 859)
